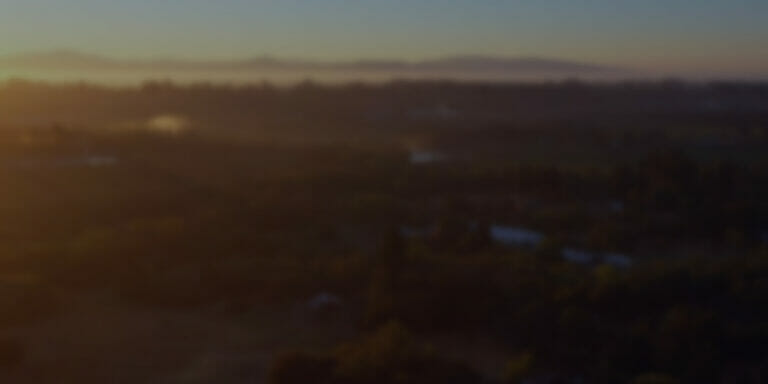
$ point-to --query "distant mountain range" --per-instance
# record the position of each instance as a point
(467, 64)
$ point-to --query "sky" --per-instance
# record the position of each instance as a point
(671, 35)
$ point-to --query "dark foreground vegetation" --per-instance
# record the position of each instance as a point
(402, 233)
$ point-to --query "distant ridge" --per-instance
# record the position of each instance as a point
(469, 64)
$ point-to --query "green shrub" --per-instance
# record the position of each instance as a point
(518, 368)
(388, 356)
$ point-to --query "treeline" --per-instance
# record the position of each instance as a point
(345, 108)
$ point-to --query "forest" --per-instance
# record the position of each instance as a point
(406, 232)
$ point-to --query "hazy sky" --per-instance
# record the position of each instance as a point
(703, 35)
